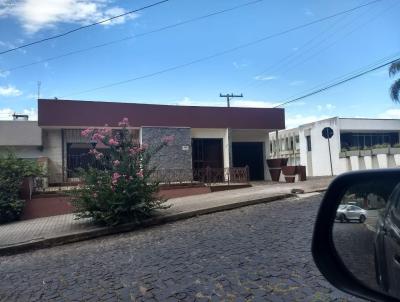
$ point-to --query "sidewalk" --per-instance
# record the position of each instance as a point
(42, 232)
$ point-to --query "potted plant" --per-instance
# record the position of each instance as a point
(342, 152)
(353, 151)
(395, 149)
(366, 151)
(380, 149)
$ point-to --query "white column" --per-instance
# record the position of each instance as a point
(355, 164)
(397, 159)
(368, 162)
(382, 160)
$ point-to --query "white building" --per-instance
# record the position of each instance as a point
(357, 143)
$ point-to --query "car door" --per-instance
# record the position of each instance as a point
(392, 246)
(352, 212)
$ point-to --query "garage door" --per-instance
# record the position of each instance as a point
(249, 154)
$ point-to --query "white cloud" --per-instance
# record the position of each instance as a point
(9, 91)
(299, 119)
(390, 114)
(296, 83)
(308, 12)
(6, 113)
(240, 65)
(186, 101)
(252, 103)
(265, 78)
(35, 15)
(328, 107)
(4, 74)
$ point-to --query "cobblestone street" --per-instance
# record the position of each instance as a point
(256, 253)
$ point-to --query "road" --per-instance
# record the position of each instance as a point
(256, 253)
(355, 245)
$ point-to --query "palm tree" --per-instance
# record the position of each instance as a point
(395, 88)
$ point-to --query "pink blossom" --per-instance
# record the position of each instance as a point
(86, 132)
(115, 178)
(94, 194)
(99, 155)
(112, 142)
(168, 139)
(145, 146)
(98, 137)
(140, 174)
(116, 163)
(105, 131)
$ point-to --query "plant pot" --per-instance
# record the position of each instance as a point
(274, 162)
(365, 152)
(342, 154)
(380, 151)
(394, 150)
(301, 171)
(289, 170)
(275, 173)
(353, 153)
(289, 179)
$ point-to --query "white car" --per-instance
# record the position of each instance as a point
(347, 213)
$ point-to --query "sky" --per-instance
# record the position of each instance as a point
(266, 73)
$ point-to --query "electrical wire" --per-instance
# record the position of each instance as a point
(337, 83)
(131, 36)
(82, 27)
(221, 53)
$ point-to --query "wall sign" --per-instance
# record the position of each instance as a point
(185, 148)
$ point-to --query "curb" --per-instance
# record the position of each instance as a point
(104, 231)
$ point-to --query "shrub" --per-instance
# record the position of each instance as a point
(380, 146)
(122, 190)
(12, 173)
(396, 145)
(354, 148)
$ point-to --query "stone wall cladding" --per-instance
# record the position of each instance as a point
(171, 156)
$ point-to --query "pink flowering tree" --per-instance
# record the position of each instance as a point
(123, 190)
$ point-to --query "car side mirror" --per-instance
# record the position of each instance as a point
(359, 253)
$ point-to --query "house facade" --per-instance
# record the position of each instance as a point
(357, 144)
(214, 137)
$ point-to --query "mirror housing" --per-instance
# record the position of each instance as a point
(324, 252)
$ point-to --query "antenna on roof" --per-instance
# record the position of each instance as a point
(39, 83)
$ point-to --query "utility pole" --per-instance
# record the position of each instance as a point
(38, 89)
(229, 97)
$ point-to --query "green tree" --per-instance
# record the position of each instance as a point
(120, 187)
(395, 88)
(13, 170)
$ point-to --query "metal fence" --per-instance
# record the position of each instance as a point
(202, 175)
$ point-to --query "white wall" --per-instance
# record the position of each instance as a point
(52, 149)
(319, 155)
(20, 133)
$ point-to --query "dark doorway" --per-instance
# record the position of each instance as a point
(207, 153)
(249, 154)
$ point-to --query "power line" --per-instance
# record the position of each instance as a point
(337, 83)
(133, 36)
(221, 53)
(82, 27)
(291, 63)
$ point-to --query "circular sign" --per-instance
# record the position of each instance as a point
(327, 132)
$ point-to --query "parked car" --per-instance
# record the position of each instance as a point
(387, 245)
(350, 212)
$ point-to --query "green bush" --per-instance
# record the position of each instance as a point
(123, 190)
(12, 173)
(379, 146)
